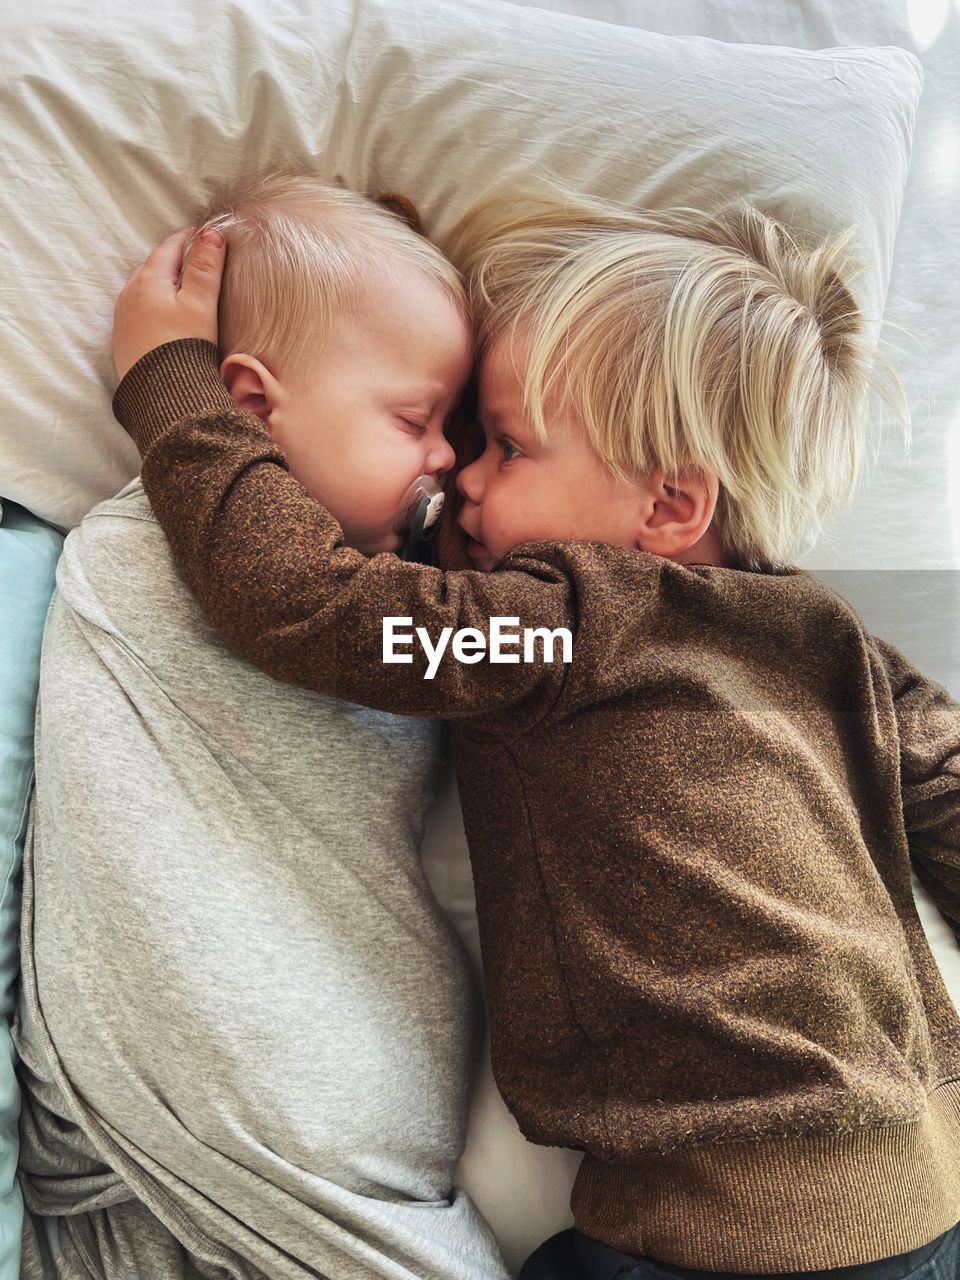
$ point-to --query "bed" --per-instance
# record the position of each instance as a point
(113, 125)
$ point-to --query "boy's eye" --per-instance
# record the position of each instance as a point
(409, 422)
(505, 446)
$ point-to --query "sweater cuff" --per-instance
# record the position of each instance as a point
(172, 382)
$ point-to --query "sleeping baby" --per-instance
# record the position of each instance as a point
(245, 1026)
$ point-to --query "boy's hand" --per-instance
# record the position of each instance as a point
(159, 305)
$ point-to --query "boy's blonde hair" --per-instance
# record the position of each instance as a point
(303, 255)
(684, 340)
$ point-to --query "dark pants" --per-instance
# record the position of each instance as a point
(574, 1256)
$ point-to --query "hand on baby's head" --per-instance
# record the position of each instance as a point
(168, 298)
(340, 326)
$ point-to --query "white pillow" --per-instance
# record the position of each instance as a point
(115, 124)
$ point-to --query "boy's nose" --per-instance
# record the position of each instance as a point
(470, 480)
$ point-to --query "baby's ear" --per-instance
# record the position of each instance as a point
(248, 381)
(402, 207)
(676, 511)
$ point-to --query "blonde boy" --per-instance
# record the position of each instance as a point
(692, 843)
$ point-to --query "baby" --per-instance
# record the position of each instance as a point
(692, 833)
(246, 1028)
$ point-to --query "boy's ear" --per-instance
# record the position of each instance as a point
(251, 384)
(677, 512)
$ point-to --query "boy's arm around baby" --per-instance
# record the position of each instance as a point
(269, 568)
(928, 724)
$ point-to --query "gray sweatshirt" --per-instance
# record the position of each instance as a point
(245, 1026)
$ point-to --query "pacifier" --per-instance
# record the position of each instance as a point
(418, 516)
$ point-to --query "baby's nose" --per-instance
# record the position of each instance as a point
(445, 457)
(441, 458)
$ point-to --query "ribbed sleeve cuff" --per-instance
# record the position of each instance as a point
(169, 384)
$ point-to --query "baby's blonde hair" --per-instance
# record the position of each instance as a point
(303, 255)
(683, 340)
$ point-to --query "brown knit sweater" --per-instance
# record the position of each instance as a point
(691, 847)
